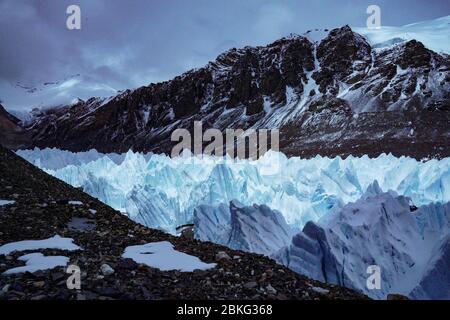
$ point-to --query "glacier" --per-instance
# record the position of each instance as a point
(410, 245)
(326, 218)
(161, 192)
(254, 228)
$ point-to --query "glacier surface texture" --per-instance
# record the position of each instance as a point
(161, 192)
(328, 219)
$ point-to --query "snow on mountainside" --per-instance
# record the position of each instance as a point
(330, 94)
(163, 192)
(434, 34)
(21, 98)
(254, 228)
(409, 244)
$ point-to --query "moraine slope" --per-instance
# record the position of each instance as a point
(41, 207)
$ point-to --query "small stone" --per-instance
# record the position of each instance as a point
(250, 285)
(127, 264)
(106, 270)
(81, 297)
(39, 284)
(222, 255)
(271, 289)
(15, 287)
(396, 296)
(320, 290)
(281, 296)
(57, 276)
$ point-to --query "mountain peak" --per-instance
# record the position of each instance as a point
(298, 84)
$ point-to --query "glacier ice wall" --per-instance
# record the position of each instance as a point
(162, 192)
(409, 245)
(254, 228)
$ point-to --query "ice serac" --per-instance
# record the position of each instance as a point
(162, 192)
(409, 244)
(435, 283)
(212, 223)
(254, 228)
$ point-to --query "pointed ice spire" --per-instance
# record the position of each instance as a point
(373, 189)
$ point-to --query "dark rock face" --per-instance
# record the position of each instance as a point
(292, 84)
(341, 54)
(12, 134)
(41, 210)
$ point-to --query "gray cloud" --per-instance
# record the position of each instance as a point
(128, 43)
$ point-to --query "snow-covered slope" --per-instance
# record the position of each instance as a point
(409, 244)
(163, 192)
(434, 34)
(254, 228)
(21, 97)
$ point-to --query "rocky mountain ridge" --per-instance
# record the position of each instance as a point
(337, 96)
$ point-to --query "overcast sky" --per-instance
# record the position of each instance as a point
(128, 43)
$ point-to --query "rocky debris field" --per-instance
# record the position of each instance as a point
(45, 206)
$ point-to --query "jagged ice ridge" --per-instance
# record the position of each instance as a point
(161, 192)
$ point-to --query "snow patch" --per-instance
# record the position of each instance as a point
(6, 202)
(75, 203)
(163, 256)
(55, 242)
(37, 261)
